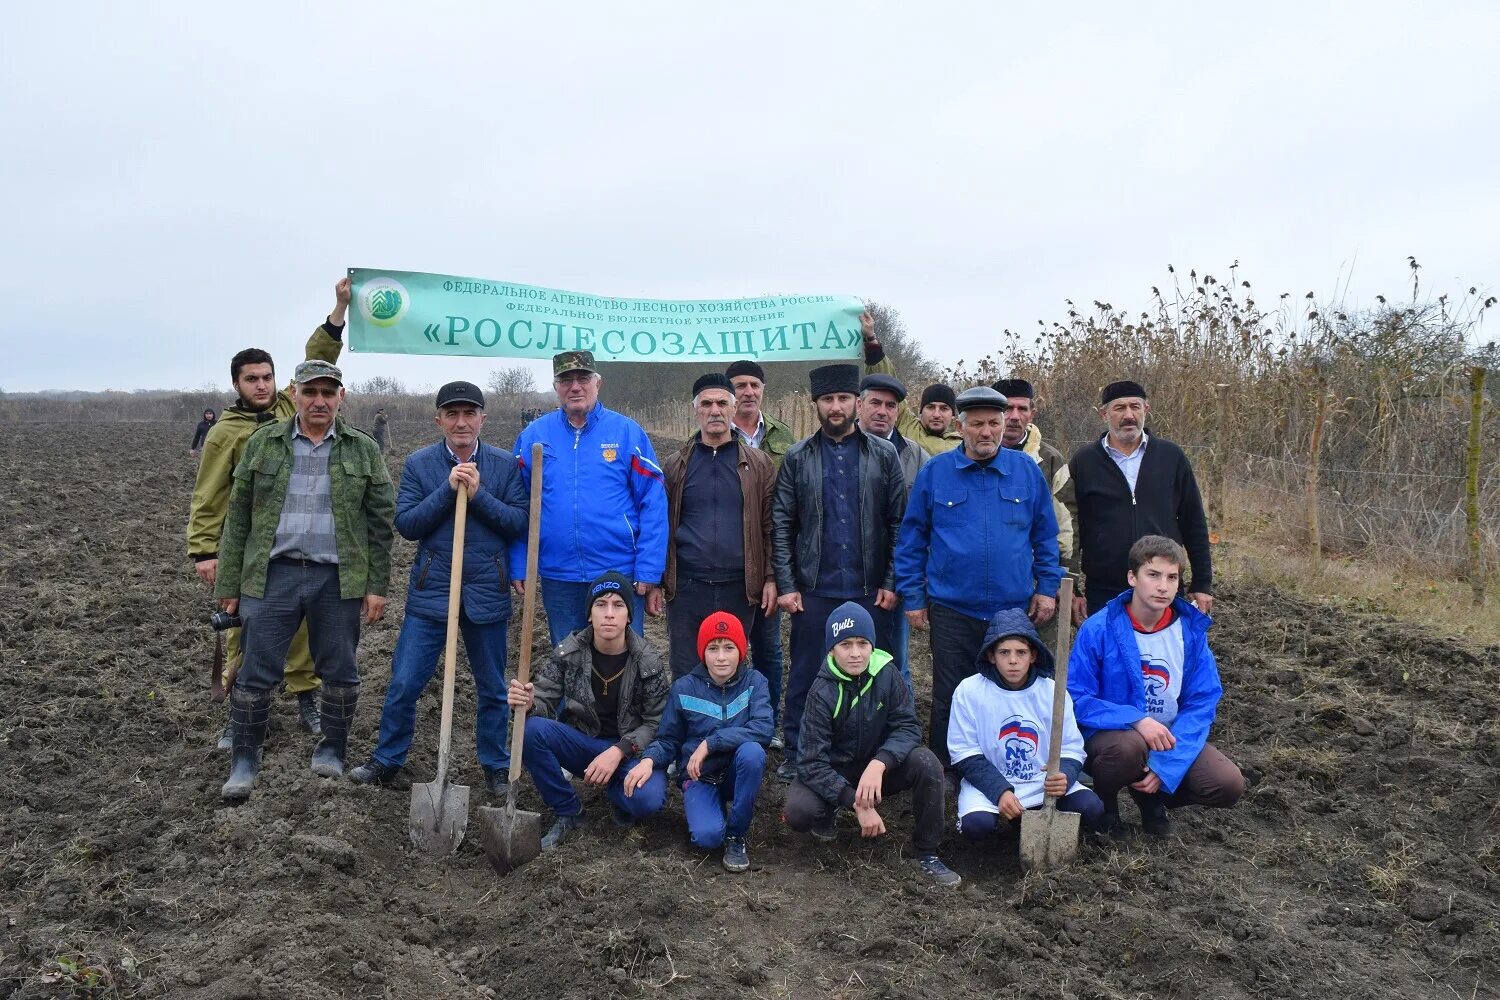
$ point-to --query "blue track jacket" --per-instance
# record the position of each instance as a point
(698, 710)
(977, 539)
(1104, 678)
(604, 504)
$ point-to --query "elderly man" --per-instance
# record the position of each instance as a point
(425, 509)
(1130, 484)
(931, 426)
(603, 505)
(880, 399)
(979, 536)
(839, 500)
(258, 402)
(719, 493)
(764, 432)
(307, 538)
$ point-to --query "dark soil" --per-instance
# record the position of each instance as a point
(1365, 861)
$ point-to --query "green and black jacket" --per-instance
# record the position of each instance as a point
(850, 721)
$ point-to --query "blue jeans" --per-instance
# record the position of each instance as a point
(704, 802)
(980, 825)
(765, 656)
(297, 592)
(809, 652)
(567, 607)
(552, 746)
(694, 601)
(418, 650)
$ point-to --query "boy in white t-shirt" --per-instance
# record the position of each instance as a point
(999, 730)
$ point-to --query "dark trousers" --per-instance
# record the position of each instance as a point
(297, 592)
(567, 607)
(982, 825)
(1098, 597)
(694, 601)
(956, 639)
(809, 652)
(766, 656)
(920, 772)
(1117, 757)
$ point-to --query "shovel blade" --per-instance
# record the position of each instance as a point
(1048, 838)
(511, 837)
(439, 816)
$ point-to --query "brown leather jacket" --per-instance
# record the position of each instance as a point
(758, 484)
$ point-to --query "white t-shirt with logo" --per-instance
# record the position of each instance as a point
(1011, 729)
(1162, 656)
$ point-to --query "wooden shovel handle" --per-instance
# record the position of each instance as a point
(450, 649)
(528, 614)
(1060, 679)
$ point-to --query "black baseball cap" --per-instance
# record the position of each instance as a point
(460, 392)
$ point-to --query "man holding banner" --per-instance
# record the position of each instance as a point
(604, 507)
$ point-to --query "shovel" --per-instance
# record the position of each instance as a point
(440, 811)
(1048, 837)
(513, 836)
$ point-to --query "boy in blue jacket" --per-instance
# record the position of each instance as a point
(716, 726)
(999, 731)
(1145, 687)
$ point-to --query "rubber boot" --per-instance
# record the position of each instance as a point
(249, 717)
(336, 705)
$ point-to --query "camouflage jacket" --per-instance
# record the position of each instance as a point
(563, 690)
(226, 443)
(364, 507)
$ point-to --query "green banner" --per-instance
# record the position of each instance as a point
(409, 312)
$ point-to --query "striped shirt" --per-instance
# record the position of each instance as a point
(305, 530)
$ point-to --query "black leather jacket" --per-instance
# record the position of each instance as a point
(797, 514)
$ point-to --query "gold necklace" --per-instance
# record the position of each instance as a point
(606, 681)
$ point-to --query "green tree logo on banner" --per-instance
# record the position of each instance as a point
(384, 301)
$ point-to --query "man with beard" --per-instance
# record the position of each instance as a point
(253, 375)
(1129, 484)
(839, 499)
(931, 426)
(718, 527)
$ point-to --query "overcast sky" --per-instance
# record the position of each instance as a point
(180, 181)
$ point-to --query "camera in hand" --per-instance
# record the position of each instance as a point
(221, 620)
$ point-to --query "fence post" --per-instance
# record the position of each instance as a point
(1471, 486)
(1315, 446)
(1216, 487)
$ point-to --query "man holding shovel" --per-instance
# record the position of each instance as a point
(425, 512)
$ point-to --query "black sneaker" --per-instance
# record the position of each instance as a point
(560, 830)
(777, 743)
(736, 858)
(621, 818)
(933, 867)
(787, 771)
(497, 780)
(1112, 827)
(308, 715)
(372, 772)
(1154, 820)
(825, 829)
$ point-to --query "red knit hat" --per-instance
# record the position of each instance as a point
(721, 625)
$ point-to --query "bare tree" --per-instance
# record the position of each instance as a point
(512, 381)
(381, 385)
(903, 350)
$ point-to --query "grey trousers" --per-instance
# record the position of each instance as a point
(297, 591)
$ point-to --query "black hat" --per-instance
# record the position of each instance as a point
(834, 378)
(1119, 390)
(745, 368)
(614, 583)
(713, 380)
(1012, 388)
(460, 392)
(979, 398)
(889, 383)
(939, 393)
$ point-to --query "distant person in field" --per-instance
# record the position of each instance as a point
(1146, 688)
(604, 506)
(594, 708)
(1000, 730)
(860, 743)
(760, 430)
(719, 493)
(931, 426)
(425, 509)
(715, 729)
(201, 432)
(1128, 484)
(253, 375)
(979, 537)
(382, 432)
(307, 539)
